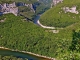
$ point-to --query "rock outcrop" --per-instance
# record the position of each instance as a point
(8, 8)
(57, 1)
(31, 6)
(72, 10)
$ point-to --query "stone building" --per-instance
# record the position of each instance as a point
(9, 8)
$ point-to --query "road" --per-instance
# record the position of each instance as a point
(36, 21)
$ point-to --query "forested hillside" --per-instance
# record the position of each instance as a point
(58, 17)
(43, 6)
(16, 33)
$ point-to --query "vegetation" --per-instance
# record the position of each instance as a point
(43, 6)
(10, 1)
(23, 10)
(58, 18)
(16, 33)
(73, 53)
(2, 18)
(75, 41)
(26, 12)
(10, 58)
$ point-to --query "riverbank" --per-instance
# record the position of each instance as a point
(37, 55)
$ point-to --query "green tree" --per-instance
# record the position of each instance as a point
(75, 41)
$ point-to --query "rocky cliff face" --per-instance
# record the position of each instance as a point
(72, 10)
(13, 8)
(9, 8)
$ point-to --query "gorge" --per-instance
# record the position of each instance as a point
(21, 36)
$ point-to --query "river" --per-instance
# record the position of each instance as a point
(36, 19)
(7, 52)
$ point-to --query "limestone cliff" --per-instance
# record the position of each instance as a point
(9, 8)
(55, 2)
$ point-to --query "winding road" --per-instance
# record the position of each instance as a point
(36, 21)
(53, 29)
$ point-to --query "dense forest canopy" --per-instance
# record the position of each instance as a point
(17, 33)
